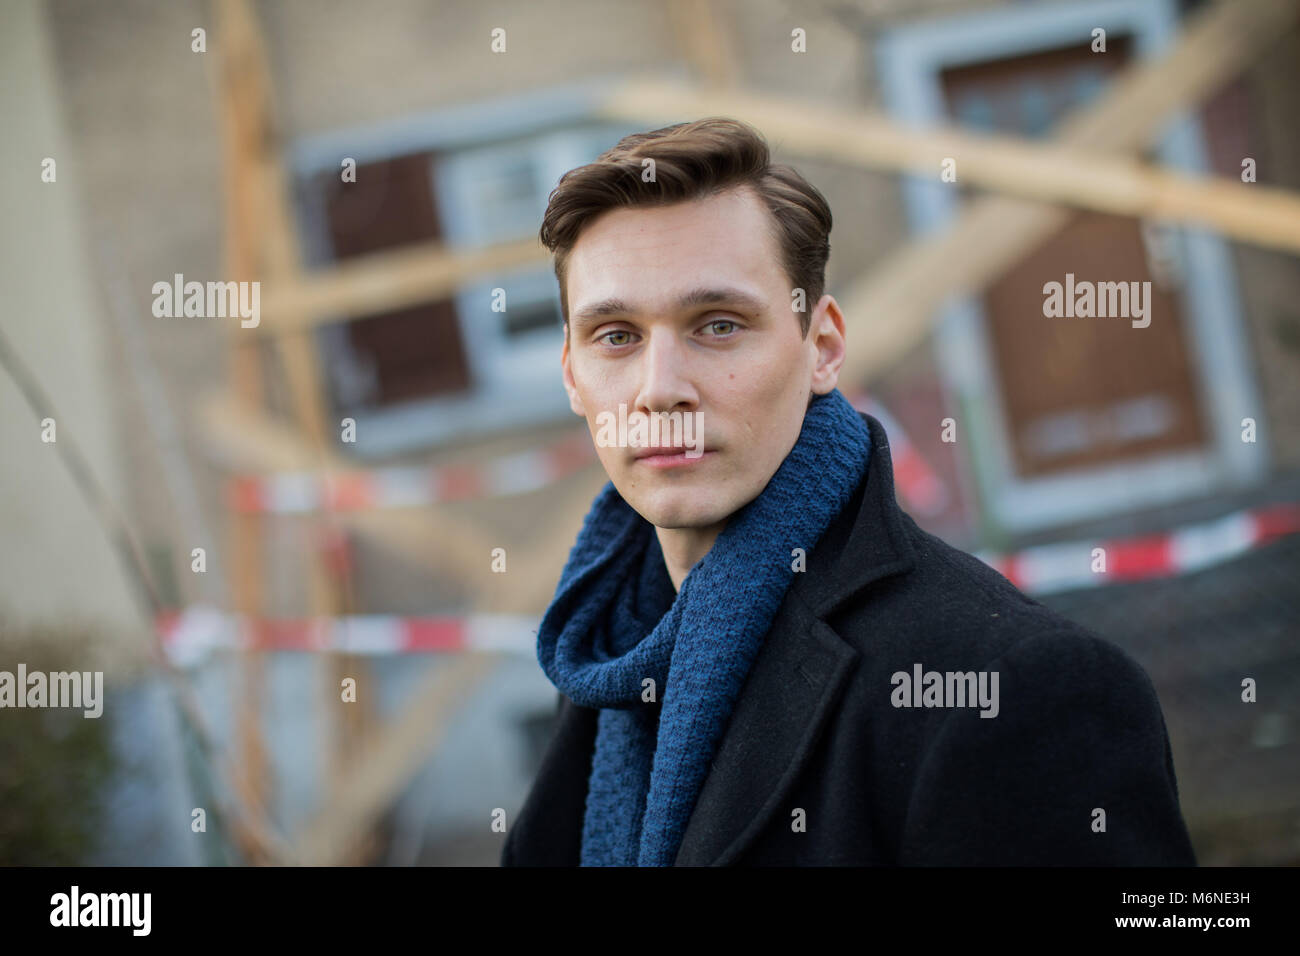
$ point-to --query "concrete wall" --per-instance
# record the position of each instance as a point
(57, 566)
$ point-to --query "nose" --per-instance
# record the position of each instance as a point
(665, 375)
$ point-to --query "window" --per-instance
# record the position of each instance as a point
(487, 356)
(1076, 422)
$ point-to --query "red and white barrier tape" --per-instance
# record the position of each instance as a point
(189, 636)
(1068, 565)
(411, 486)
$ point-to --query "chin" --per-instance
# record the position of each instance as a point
(680, 508)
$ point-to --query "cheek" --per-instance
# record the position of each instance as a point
(774, 388)
(596, 384)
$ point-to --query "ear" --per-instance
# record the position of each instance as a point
(826, 335)
(575, 402)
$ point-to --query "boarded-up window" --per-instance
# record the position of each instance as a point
(1077, 392)
(415, 352)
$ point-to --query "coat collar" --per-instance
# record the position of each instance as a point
(873, 545)
(800, 670)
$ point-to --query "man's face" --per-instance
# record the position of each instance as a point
(738, 358)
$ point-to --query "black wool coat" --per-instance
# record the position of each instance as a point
(818, 766)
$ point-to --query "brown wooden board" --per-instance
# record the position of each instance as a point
(1077, 392)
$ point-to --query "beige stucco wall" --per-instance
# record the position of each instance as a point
(57, 568)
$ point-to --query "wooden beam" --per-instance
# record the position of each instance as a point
(387, 280)
(384, 766)
(1077, 174)
(248, 692)
(240, 220)
(343, 725)
(891, 308)
(237, 92)
(705, 42)
(273, 248)
(272, 243)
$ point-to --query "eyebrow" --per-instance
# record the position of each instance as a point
(704, 295)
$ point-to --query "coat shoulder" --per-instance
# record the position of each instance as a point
(951, 605)
(998, 732)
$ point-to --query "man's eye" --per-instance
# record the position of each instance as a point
(729, 326)
(605, 337)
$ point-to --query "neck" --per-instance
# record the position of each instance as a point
(683, 547)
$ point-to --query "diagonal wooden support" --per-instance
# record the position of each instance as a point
(1089, 165)
(1065, 173)
(379, 772)
(891, 309)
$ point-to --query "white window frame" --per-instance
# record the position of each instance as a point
(911, 59)
(516, 379)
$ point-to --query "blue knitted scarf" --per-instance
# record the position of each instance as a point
(616, 624)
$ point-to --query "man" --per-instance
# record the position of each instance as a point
(761, 659)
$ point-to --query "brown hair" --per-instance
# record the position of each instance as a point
(695, 161)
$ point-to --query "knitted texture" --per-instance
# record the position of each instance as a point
(615, 623)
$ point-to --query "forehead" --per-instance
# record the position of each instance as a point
(650, 255)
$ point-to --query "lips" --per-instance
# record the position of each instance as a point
(650, 452)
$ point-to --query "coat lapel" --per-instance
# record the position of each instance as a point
(800, 671)
(791, 689)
